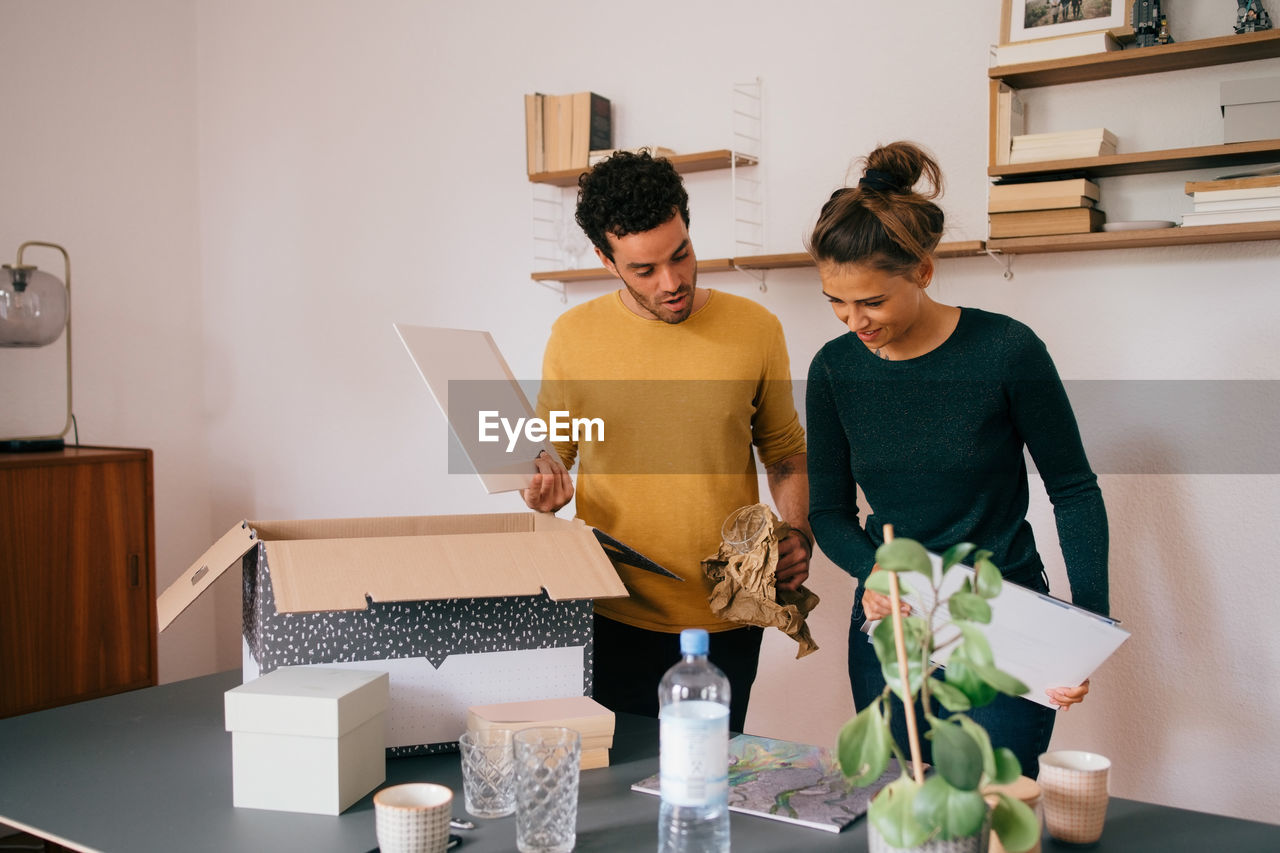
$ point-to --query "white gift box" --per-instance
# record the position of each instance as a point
(307, 738)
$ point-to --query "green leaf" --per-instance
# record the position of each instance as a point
(879, 582)
(980, 555)
(975, 647)
(956, 755)
(966, 605)
(989, 579)
(892, 813)
(913, 635)
(956, 553)
(1015, 824)
(956, 814)
(863, 746)
(979, 734)
(960, 674)
(1008, 767)
(1000, 680)
(904, 555)
(951, 698)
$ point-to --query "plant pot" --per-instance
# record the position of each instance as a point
(976, 843)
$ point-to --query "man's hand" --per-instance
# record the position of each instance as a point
(793, 560)
(551, 487)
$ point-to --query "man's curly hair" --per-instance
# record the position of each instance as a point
(627, 194)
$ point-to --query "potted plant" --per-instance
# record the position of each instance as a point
(912, 811)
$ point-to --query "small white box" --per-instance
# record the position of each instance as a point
(308, 738)
(1250, 109)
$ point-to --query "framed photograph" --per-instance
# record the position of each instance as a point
(1024, 20)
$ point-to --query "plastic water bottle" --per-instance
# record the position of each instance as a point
(694, 755)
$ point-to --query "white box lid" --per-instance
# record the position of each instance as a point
(307, 701)
(1258, 90)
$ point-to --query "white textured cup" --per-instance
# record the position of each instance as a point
(1074, 789)
(413, 818)
(488, 772)
(547, 764)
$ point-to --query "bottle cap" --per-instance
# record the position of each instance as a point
(694, 641)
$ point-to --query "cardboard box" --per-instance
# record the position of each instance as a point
(459, 610)
(1250, 109)
(307, 738)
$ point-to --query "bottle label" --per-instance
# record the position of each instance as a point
(694, 755)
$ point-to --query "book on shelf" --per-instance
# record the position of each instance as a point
(1042, 195)
(592, 127)
(533, 139)
(1011, 121)
(1043, 50)
(1237, 203)
(792, 782)
(564, 129)
(582, 713)
(1044, 223)
(1231, 217)
(1258, 186)
(655, 151)
(1062, 145)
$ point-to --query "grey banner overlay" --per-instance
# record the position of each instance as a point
(1142, 426)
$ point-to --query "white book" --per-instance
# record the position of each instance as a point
(1062, 152)
(1237, 203)
(1086, 134)
(1237, 193)
(1232, 217)
(1041, 50)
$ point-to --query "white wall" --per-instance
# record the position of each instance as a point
(254, 192)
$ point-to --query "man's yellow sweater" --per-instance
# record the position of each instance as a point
(682, 407)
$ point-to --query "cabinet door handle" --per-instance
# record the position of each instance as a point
(135, 576)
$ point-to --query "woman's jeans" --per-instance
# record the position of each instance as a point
(1013, 722)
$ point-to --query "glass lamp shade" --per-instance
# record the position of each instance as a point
(33, 307)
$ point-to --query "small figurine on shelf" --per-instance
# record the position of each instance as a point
(1250, 16)
(1147, 19)
(1164, 36)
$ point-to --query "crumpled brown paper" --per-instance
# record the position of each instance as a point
(744, 574)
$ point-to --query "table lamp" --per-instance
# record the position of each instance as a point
(35, 307)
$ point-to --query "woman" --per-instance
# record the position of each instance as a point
(927, 407)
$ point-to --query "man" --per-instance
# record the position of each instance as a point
(686, 381)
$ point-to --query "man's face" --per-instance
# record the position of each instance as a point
(659, 270)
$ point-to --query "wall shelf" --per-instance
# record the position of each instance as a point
(701, 161)
(1149, 162)
(1180, 236)
(789, 260)
(1222, 50)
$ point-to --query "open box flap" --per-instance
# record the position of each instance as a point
(203, 572)
(337, 574)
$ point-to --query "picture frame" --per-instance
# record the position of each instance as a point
(1027, 20)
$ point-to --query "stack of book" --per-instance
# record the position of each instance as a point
(589, 718)
(1232, 200)
(1062, 47)
(1041, 208)
(562, 130)
(1063, 145)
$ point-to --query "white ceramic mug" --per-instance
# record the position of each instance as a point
(1073, 785)
(413, 818)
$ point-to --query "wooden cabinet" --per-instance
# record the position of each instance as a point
(77, 576)
(1200, 53)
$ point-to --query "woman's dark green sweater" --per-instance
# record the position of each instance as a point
(936, 443)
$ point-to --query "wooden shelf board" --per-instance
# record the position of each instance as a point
(789, 260)
(700, 161)
(1180, 236)
(602, 274)
(1148, 162)
(1133, 61)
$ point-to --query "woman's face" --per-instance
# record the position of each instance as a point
(880, 307)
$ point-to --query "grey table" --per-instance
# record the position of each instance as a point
(151, 771)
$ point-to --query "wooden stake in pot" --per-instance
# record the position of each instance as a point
(908, 707)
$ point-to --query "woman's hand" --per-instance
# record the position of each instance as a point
(1065, 697)
(878, 606)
